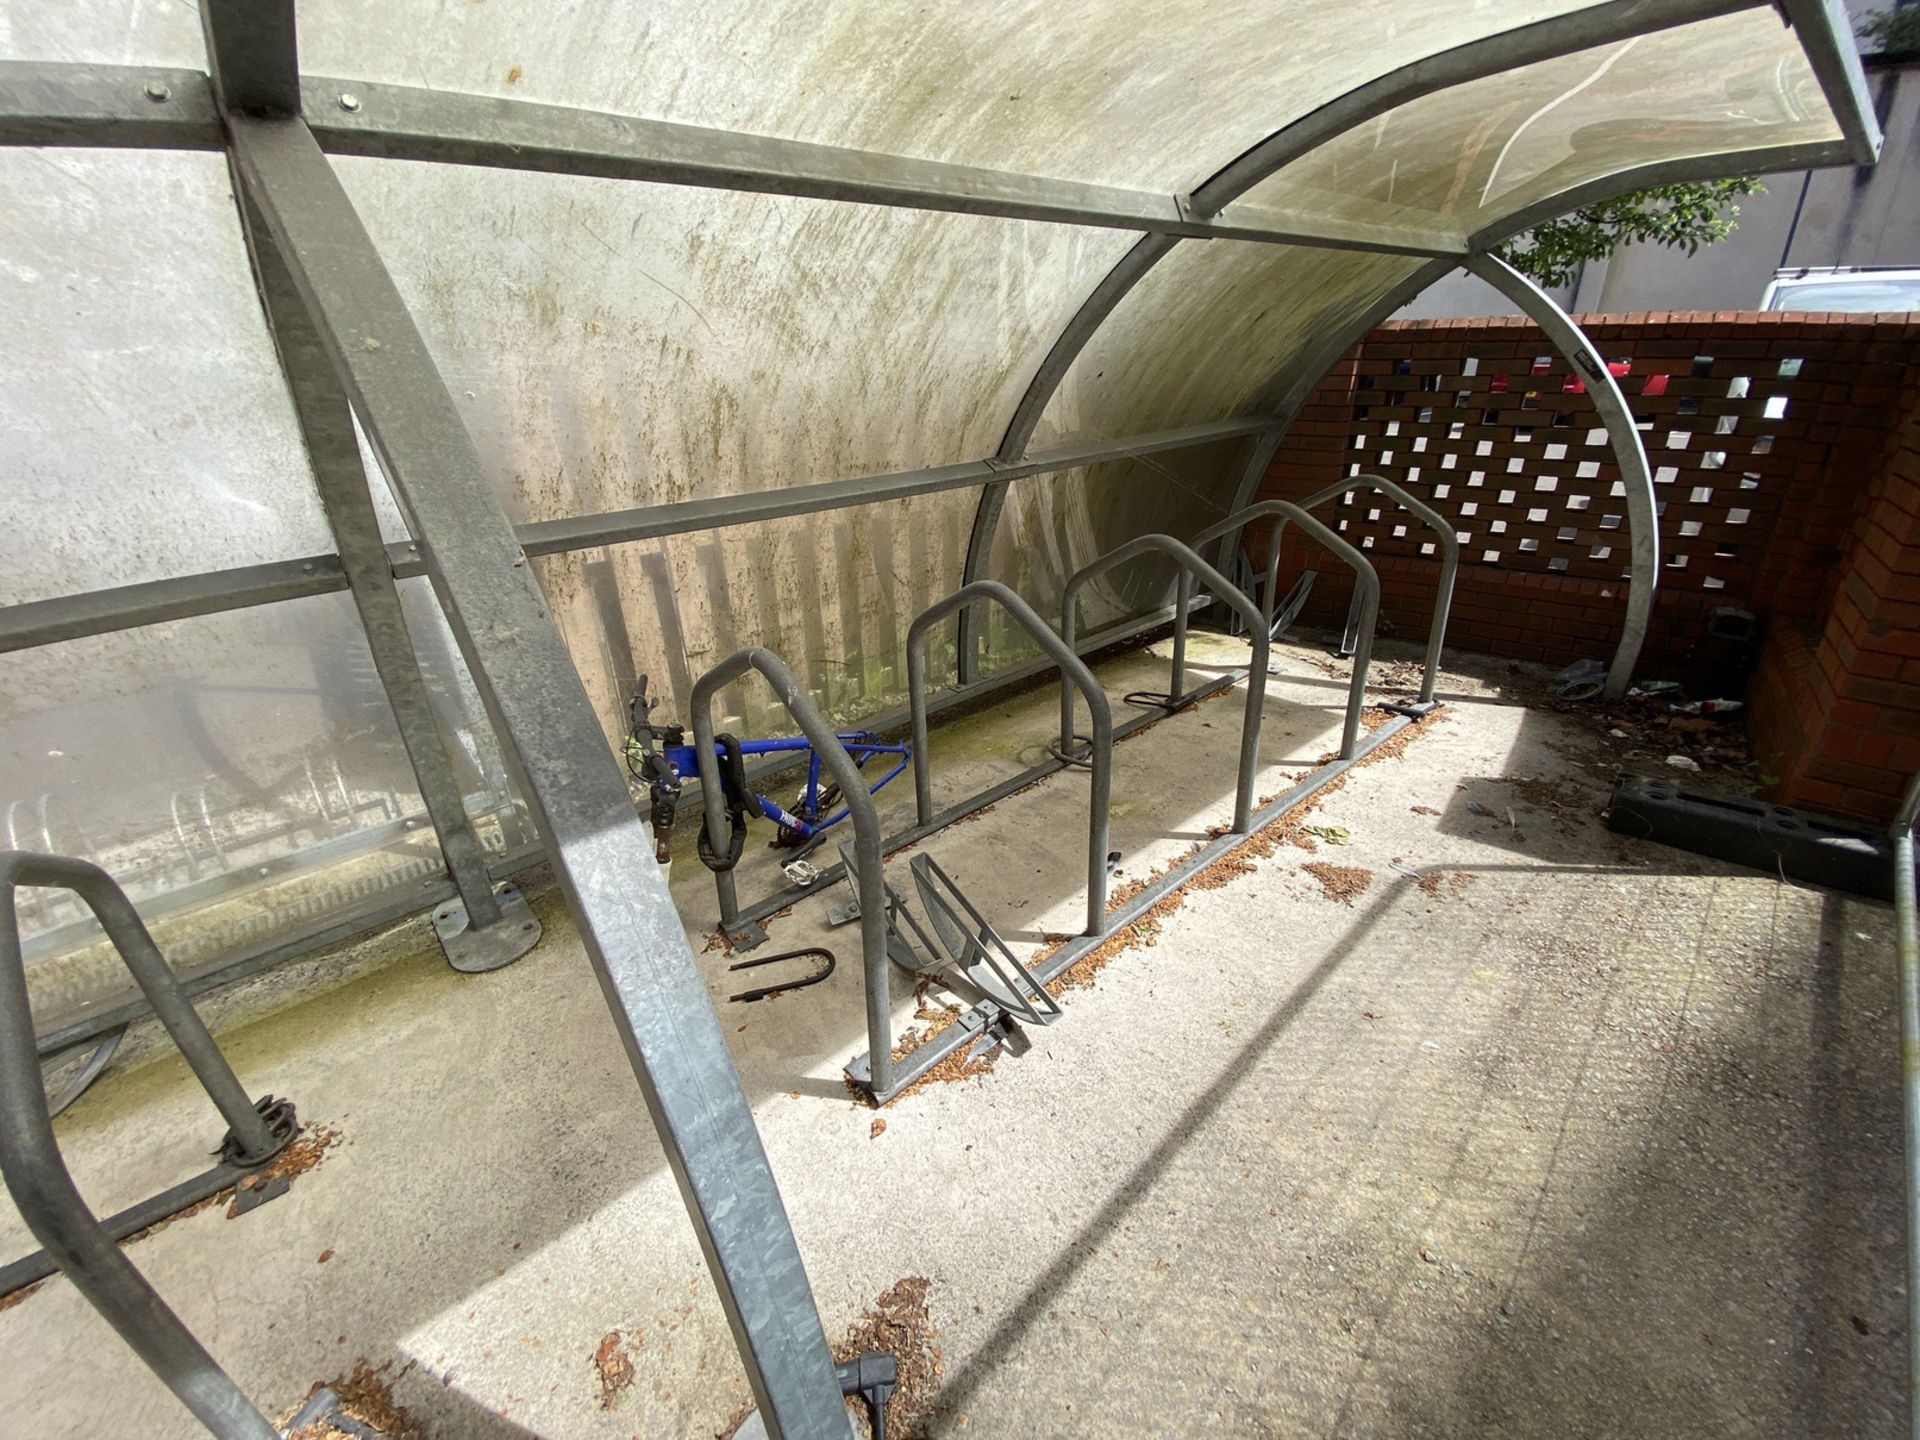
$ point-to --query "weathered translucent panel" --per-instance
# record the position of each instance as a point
(144, 427)
(1154, 96)
(1208, 329)
(103, 32)
(240, 774)
(1054, 525)
(831, 593)
(1461, 158)
(616, 344)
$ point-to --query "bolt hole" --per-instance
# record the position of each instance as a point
(443, 915)
(527, 926)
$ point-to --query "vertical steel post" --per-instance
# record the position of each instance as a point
(1643, 515)
(1366, 582)
(601, 852)
(326, 427)
(1225, 592)
(1426, 514)
(1907, 934)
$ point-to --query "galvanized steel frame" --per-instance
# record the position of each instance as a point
(102, 612)
(1192, 567)
(1636, 475)
(862, 815)
(984, 1020)
(1073, 671)
(1907, 941)
(37, 1177)
(1420, 510)
(600, 851)
(1473, 60)
(1366, 586)
(276, 126)
(326, 428)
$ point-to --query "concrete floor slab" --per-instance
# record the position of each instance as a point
(1545, 1132)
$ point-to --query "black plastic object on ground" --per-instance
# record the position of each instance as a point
(781, 987)
(1783, 841)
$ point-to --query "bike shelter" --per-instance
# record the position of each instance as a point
(1333, 175)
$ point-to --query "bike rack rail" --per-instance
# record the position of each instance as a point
(1449, 561)
(1365, 577)
(1191, 567)
(37, 1177)
(1073, 672)
(867, 843)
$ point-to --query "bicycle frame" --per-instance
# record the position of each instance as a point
(861, 745)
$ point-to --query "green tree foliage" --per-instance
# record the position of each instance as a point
(1687, 216)
(1894, 33)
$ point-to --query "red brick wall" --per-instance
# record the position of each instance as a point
(1836, 709)
(1765, 432)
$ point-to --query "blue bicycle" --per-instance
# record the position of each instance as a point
(659, 757)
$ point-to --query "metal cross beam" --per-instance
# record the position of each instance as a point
(600, 851)
(124, 607)
(49, 103)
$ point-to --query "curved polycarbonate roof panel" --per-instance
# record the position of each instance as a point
(104, 32)
(1462, 158)
(1207, 330)
(1146, 96)
(1054, 525)
(145, 429)
(198, 758)
(832, 592)
(615, 344)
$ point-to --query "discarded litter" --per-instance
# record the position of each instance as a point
(1707, 707)
(764, 992)
(1581, 680)
(1683, 762)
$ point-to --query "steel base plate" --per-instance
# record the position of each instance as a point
(501, 943)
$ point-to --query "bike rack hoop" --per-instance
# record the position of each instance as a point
(1074, 673)
(1365, 577)
(1192, 568)
(1444, 531)
(860, 808)
(37, 1177)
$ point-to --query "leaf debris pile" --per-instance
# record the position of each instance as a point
(898, 1324)
(1345, 883)
(365, 1396)
(614, 1366)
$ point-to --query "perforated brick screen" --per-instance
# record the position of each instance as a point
(1759, 428)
